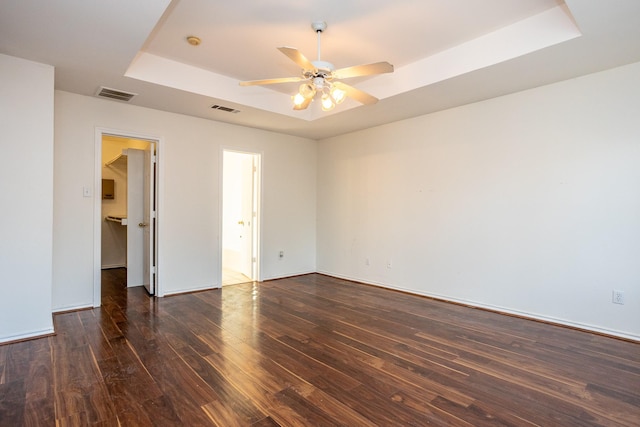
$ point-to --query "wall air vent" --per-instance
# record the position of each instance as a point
(223, 108)
(105, 92)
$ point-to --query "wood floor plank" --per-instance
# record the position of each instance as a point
(311, 414)
(12, 403)
(256, 397)
(266, 422)
(312, 350)
(233, 414)
(275, 379)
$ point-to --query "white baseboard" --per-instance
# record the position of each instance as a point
(73, 308)
(110, 266)
(28, 335)
(186, 291)
(497, 309)
(301, 273)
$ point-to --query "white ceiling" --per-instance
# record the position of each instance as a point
(445, 52)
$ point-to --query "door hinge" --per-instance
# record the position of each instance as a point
(153, 214)
(153, 270)
(153, 158)
(253, 259)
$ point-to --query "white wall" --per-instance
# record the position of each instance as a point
(189, 187)
(26, 194)
(529, 203)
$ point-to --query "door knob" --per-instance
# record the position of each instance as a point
(142, 224)
(240, 222)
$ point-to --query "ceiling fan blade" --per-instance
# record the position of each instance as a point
(271, 81)
(296, 56)
(356, 94)
(304, 104)
(363, 70)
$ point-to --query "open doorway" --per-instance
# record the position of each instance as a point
(240, 217)
(126, 203)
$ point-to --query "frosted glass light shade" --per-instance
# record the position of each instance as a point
(327, 103)
(298, 99)
(338, 95)
(307, 90)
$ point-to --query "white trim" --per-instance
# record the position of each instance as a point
(497, 309)
(196, 289)
(97, 206)
(260, 217)
(218, 261)
(257, 220)
(97, 218)
(159, 291)
(28, 335)
(110, 266)
(302, 273)
(73, 308)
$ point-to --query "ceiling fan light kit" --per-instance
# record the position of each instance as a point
(321, 77)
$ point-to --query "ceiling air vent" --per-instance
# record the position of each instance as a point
(105, 92)
(223, 108)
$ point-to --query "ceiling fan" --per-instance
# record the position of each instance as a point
(321, 77)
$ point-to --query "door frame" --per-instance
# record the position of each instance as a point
(97, 205)
(257, 221)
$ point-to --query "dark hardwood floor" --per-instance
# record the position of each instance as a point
(312, 351)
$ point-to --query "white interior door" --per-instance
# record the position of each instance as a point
(255, 224)
(246, 212)
(148, 220)
(135, 216)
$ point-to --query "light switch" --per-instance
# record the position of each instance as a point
(86, 191)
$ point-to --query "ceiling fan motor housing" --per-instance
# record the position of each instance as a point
(323, 66)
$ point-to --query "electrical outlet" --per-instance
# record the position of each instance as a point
(389, 264)
(366, 261)
(618, 297)
(281, 254)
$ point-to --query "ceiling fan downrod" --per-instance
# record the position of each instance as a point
(319, 27)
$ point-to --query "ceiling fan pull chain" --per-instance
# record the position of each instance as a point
(319, 32)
